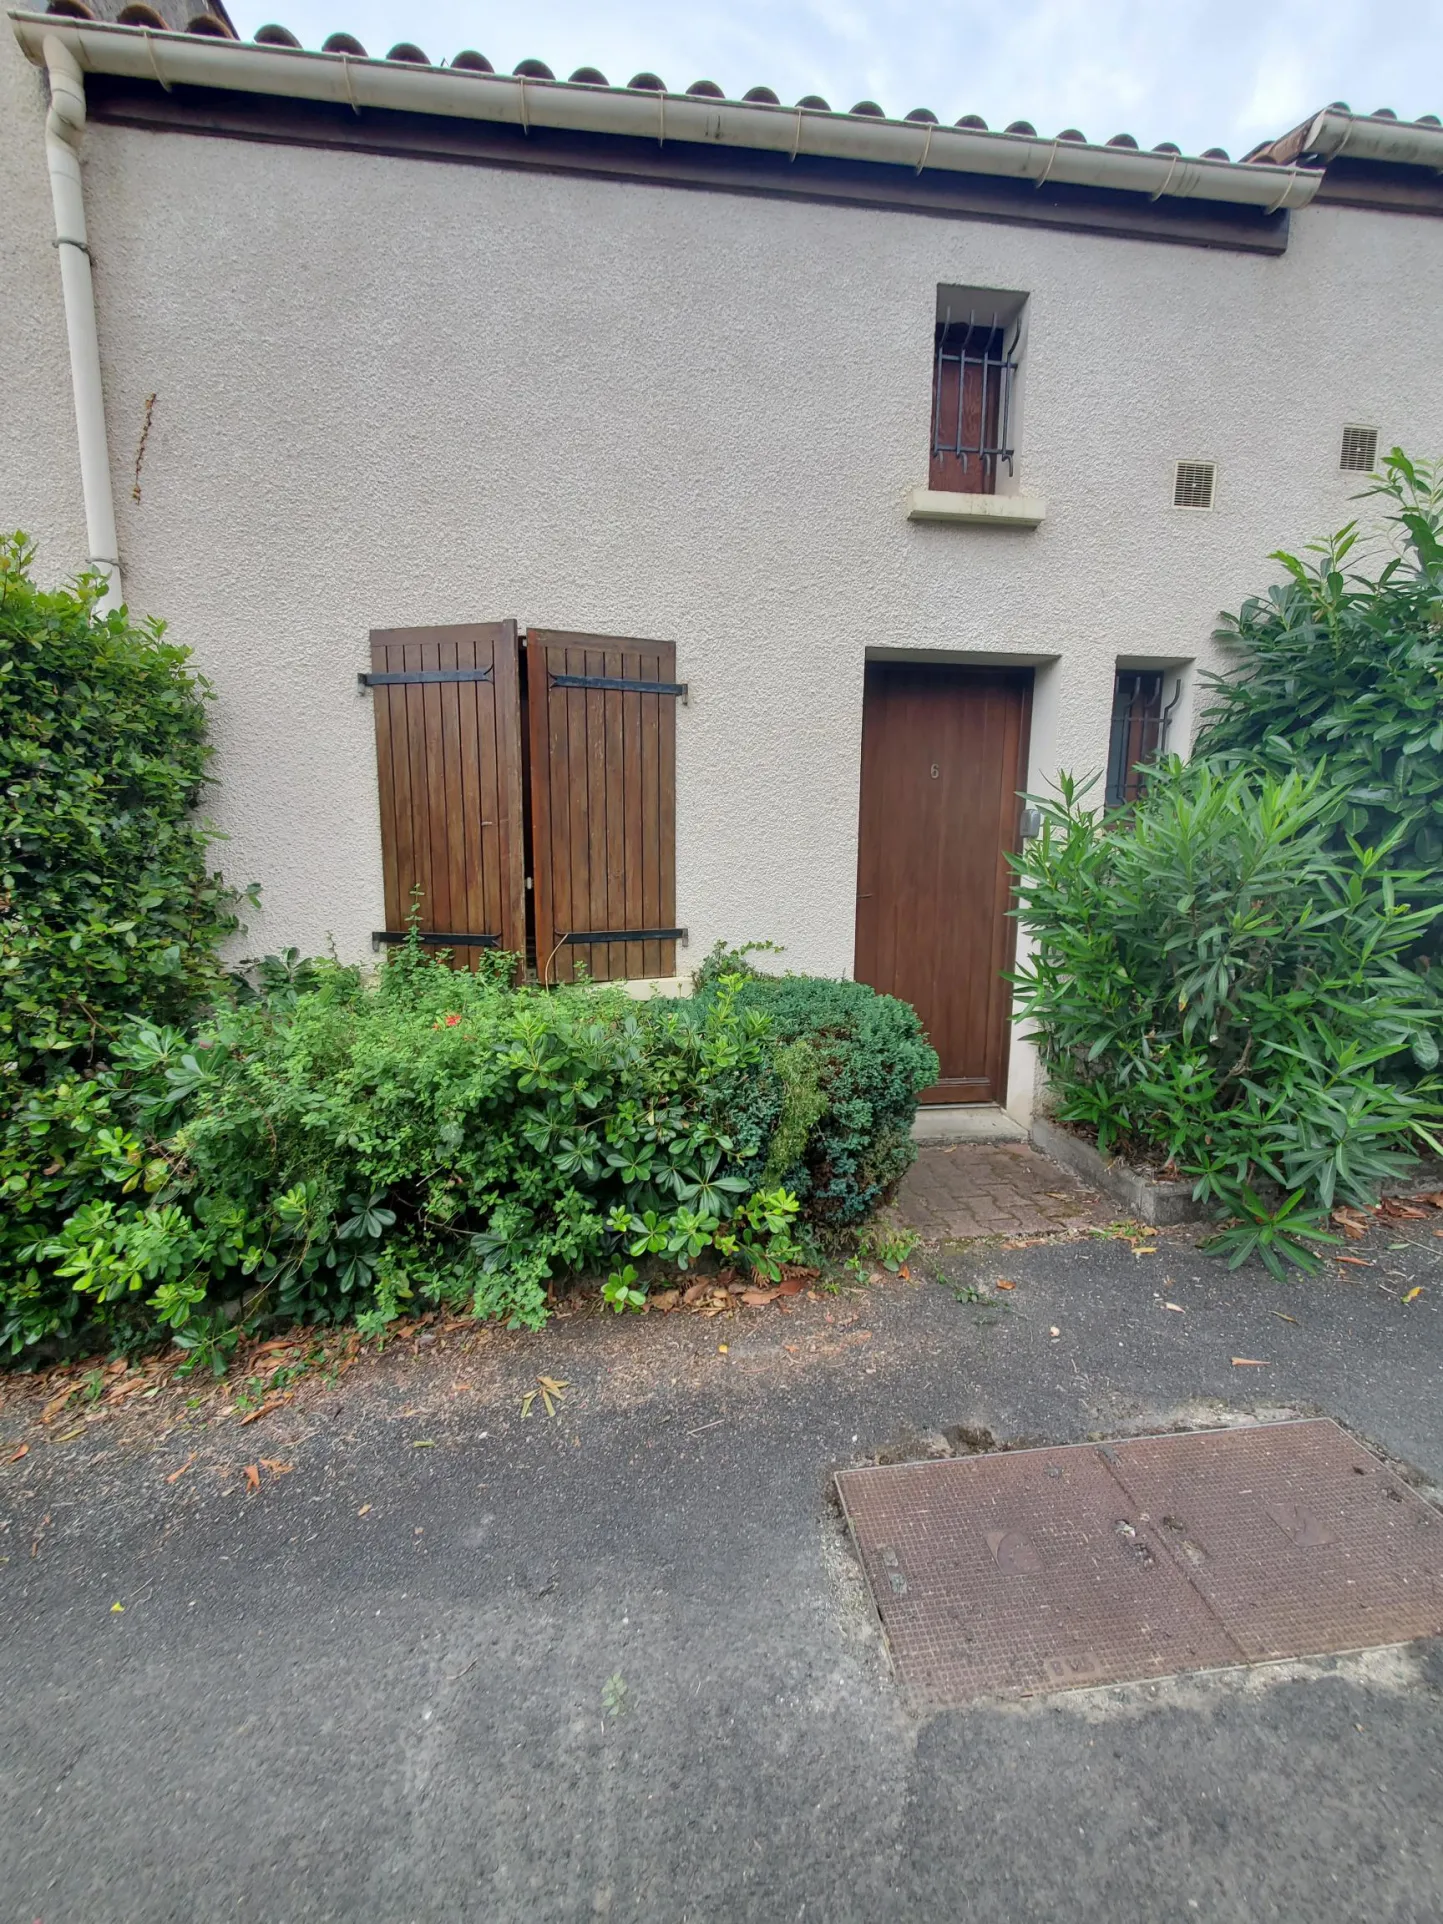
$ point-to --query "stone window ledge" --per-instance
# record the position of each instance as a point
(976, 510)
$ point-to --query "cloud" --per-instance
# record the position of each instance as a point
(1200, 72)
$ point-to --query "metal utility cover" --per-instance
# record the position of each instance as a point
(1038, 1570)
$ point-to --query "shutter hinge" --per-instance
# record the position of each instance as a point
(428, 675)
(626, 935)
(433, 938)
(622, 684)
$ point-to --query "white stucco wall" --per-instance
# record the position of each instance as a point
(392, 393)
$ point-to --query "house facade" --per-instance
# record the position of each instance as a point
(618, 519)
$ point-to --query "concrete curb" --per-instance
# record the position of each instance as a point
(1159, 1203)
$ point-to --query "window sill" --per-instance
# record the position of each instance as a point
(976, 510)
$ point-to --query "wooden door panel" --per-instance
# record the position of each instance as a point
(448, 763)
(943, 757)
(603, 804)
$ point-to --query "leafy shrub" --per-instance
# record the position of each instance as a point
(1343, 669)
(836, 1110)
(1217, 985)
(107, 905)
(325, 1146)
(344, 1147)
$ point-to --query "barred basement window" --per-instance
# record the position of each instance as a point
(1140, 726)
(975, 358)
(1193, 484)
(1360, 450)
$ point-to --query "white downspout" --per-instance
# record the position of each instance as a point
(64, 126)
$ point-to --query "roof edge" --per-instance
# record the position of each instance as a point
(1337, 134)
(181, 59)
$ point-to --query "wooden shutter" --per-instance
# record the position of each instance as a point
(603, 805)
(448, 757)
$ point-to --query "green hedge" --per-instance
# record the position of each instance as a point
(838, 1107)
(337, 1146)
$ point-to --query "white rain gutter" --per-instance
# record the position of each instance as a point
(64, 128)
(180, 59)
(1366, 137)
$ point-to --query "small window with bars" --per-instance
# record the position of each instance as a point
(1194, 484)
(1140, 724)
(1360, 451)
(976, 352)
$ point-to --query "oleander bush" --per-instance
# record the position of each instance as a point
(1340, 668)
(1235, 978)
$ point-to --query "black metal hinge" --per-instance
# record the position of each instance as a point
(424, 675)
(435, 938)
(621, 684)
(626, 935)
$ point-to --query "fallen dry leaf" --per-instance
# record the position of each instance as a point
(1285, 1319)
(176, 1475)
(15, 1455)
(1249, 1363)
(1414, 1293)
(254, 1416)
(527, 1400)
(665, 1299)
(1005, 1285)
(1358, 1262)
(793, 1285)
(276, 1467)
(57, 1404)
(365, 1510)
(1434, 1196)
(1144, 1249)
(695, 1292)
(721, 1349)
(759, 1298)
(253, 1476)
(1176, 1306)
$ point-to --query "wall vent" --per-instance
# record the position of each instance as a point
(1360, 450)
(1193, 484)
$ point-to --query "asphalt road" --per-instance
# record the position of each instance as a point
(453, 1665)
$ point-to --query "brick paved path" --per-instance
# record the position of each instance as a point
(994, 1189)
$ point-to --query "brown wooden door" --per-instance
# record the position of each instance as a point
(944, 753)
(448, 764)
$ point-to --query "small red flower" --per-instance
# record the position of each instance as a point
(452, 1020)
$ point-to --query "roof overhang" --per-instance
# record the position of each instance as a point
(187, 60)
(1336, 134)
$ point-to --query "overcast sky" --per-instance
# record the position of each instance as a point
(1201, 72)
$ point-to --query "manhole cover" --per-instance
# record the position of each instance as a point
(1040, 1570)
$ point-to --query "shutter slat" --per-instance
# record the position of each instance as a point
(603, 789)
(448, 769)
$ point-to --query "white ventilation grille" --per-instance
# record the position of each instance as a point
(1193, 484)
(1360, 450)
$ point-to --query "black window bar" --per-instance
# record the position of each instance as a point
(1140, 725)
(974, 375)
